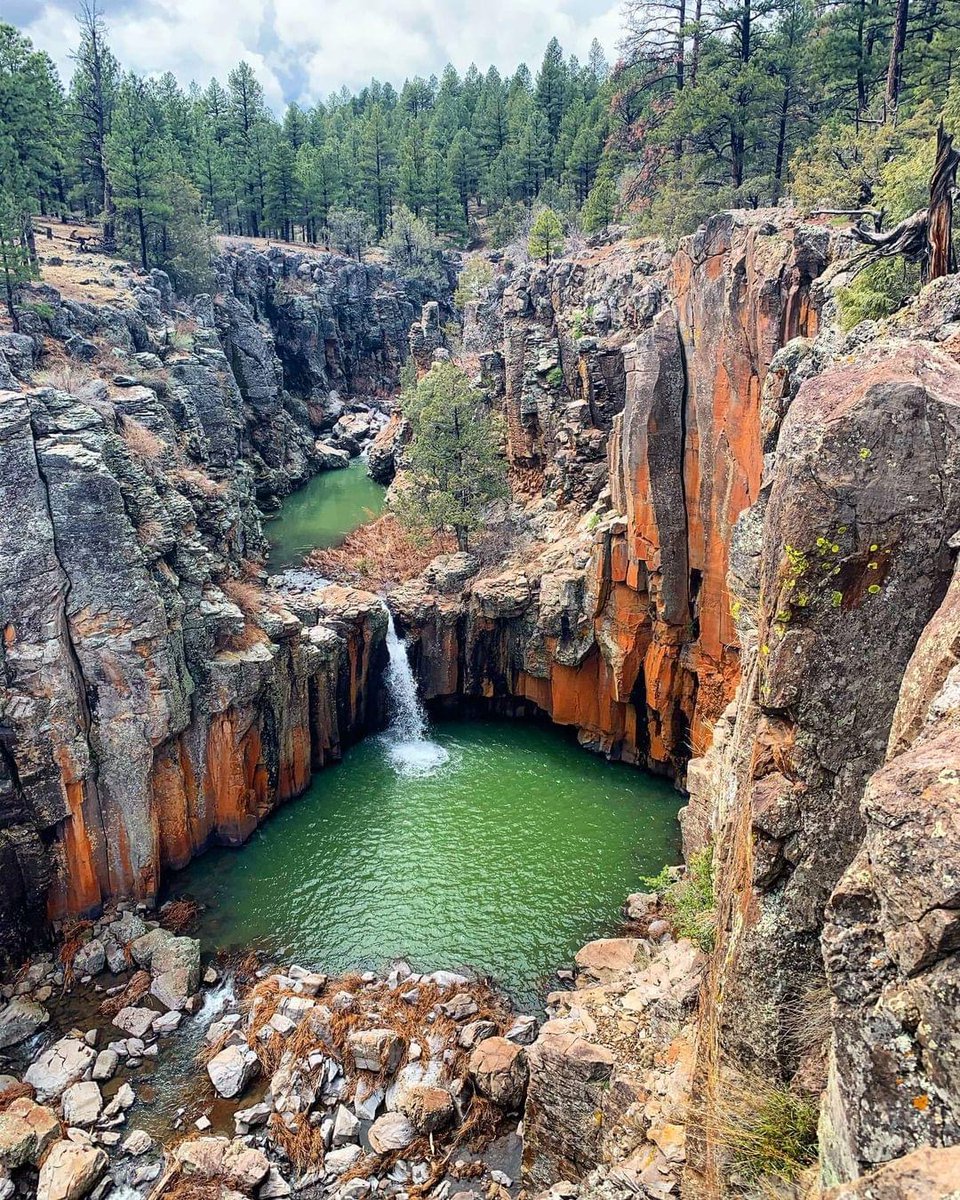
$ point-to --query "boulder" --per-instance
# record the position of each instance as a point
(474, 1033)
(428, 1108)
(339, 1161)
(459, 1007)
(42, 1120)
(392, 1131)
(234, 1163)
(137, 1142)
(135, 1021)
(523, 1031)
(82, 1104)
(65, 1062)
(105, 1066)
(346, 1127)
(378, 1050)
(70, 1171)
(142, 948)
(232, 1069)
(18, 1141)
(90, 959)
(174, 988)
(499, 1070)
(20, 1019)
(607, 957)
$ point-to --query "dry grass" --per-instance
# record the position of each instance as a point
(180, 915)
(196, 480)
(14, 1092)
(249, 636)
(73, 939)
(377, 555)
(141, 441)
(246, 594)
(303, 1145)
(135, 990)
(179, 1186)
(66, 376)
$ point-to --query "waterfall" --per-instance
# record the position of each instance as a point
(409, 749)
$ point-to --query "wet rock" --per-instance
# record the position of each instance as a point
(105, 1065)
(82, 1104)
(523, 1031)
(20, 1019)
(64, 1063)
(136, 1143)
(377, 1050)
(499, 1070)
(232, 1069)
(135, 1021)
(70, 1171)
(459, 1007)
(392, 1131)
(90, 959)
(167, 1022)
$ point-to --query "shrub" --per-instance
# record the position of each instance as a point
(555, 377)
(141, 441)
(878, 291)
(770, 1132)
(475, 278)
(249, 597)
(66, 376)
(198, 481)
(688, 900)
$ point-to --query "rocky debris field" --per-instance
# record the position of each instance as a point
(133, 1067)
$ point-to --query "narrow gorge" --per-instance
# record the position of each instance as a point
(725, 568)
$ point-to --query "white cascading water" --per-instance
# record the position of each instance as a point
(410, 750)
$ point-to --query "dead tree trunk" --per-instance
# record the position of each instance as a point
(926, 236)
(942, 259)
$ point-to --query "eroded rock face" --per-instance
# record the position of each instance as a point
(156, 695)
(631, 387)
(836, 572)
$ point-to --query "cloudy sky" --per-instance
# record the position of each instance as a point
(303, 50)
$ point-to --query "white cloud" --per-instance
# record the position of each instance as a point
(304, 50)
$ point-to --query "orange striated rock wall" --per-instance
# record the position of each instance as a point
(657, 428)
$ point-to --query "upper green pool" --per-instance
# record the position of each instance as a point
(322, 513)
(506, 857)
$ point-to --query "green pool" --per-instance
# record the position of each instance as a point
(322, 513)
(506, 857)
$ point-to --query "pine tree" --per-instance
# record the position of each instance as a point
(546, 235)
(93, 95)
(601, 206)
(454, 467)
(463, 163)
(16, 263)
(551, 88)
(135, 162)
(282, 199)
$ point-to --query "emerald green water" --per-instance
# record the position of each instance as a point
(505, 859)
(322, 513)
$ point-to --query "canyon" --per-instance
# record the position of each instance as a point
(729, 558)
